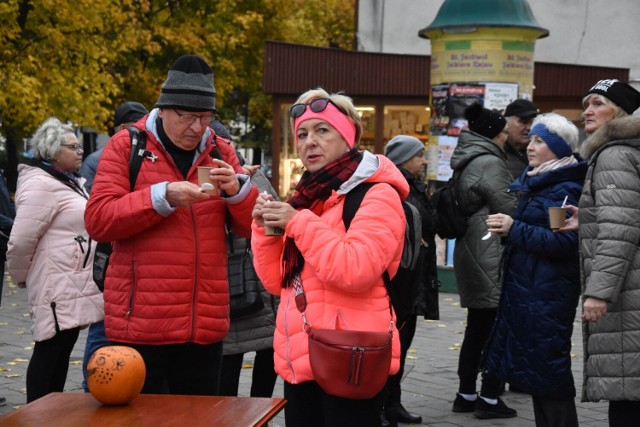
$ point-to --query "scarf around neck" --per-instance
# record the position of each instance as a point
(70, 179)
(550, 165)
(311, 192)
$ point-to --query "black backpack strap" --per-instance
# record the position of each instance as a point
(215, 153)
(352, 202)
(138, 153)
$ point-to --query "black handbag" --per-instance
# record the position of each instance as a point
(245, 298)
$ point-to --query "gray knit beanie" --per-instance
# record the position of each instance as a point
(402, 148)
(189, 86)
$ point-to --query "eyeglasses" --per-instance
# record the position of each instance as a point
(75, 147)
(317, 106)
(189, 119)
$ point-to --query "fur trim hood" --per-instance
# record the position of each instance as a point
(623, 128)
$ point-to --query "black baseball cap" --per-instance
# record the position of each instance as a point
(521, 108)
(129, 112)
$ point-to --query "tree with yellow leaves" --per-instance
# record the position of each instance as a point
(77, 60)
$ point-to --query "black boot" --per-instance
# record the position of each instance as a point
(404, 416)
(385, 421)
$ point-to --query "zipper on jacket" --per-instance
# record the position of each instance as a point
(80, 241)
(286, 331)
(86, 257)
(133, 291)
(55, 316)
(195, 277)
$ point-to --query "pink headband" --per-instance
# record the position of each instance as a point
(335, 118)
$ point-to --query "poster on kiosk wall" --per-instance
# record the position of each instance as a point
(448, 102)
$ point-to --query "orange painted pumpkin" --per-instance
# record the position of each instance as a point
(115, 374)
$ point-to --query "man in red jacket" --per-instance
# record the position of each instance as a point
(166, 291)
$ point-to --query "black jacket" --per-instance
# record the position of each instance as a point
(426, 303)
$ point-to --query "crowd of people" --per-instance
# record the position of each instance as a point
(166, 292)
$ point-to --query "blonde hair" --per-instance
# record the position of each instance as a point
(617, 110)
(339, 99)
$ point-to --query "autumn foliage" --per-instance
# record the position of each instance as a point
(79, 59)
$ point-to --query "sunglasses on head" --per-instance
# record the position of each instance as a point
(317, 106)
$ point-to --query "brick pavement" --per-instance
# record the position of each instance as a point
(429, 385)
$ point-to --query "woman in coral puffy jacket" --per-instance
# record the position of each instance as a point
(340, 271)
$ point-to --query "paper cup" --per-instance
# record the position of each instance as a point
(203, 178)
(557, 217)
(273, 231)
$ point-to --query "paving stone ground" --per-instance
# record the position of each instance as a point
(429, 384)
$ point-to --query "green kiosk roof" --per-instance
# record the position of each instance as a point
(460, 16)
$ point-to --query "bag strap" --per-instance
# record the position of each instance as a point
(352, 202)
(351, 206)
(138, 153)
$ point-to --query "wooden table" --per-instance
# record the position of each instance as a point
(146, 410)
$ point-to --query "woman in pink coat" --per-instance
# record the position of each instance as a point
(340, 271)
(51, 254)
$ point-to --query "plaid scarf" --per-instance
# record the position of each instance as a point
(311, 192)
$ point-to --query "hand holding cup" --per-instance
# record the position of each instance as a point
(204, 179)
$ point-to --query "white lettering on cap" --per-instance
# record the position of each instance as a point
(604, 85)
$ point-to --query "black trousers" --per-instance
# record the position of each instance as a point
(181, 368)
(263, 377)
(407, 332)
(309, 406)
(555, 413)
(624, 413)
(49, 364)
(479, 324)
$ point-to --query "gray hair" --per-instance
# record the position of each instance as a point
(48, 139)
(559, 125)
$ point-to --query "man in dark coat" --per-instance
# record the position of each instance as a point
(407, 153)
(519, 114)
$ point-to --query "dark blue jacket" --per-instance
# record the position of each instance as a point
(530, 344)
(7, 215)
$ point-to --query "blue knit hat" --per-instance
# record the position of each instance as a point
(555, 142)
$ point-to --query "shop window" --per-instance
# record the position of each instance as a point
(368, 120)
(406, 120)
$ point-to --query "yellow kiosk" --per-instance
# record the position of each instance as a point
(481, 51)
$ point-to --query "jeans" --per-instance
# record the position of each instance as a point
(96, 338)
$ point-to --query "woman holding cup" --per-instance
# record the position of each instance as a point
(531, 340)
(340, 271)
(610, 256)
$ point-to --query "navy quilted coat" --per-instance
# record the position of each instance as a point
(531, 341)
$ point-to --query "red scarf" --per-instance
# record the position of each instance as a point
(311, 192)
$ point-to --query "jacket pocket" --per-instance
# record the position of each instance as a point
(80, 252)
(55, 316)
(132, 291)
